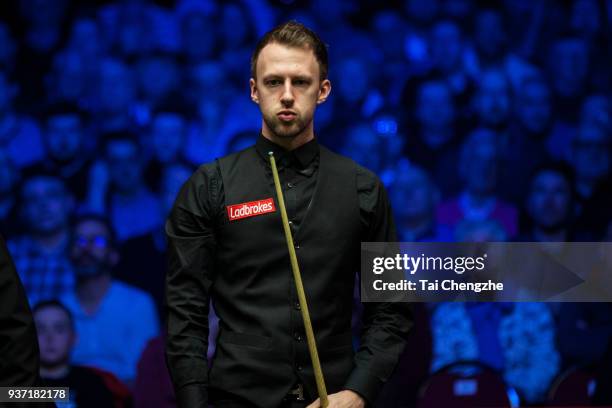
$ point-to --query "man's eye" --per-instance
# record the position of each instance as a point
(300, 82)
(273, 82)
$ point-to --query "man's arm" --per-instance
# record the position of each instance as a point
(191, 244)
(385, 325)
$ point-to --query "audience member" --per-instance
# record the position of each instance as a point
(113, 320)
(19, 135)
(414, 198)
(479, 166)
(40, 252)
(549, 204)
(119, 188)
(56, 339)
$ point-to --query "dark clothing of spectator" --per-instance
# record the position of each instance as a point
(144, 272)
(153, 387)
(87, 389)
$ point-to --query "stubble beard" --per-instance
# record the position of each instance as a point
(284, 130)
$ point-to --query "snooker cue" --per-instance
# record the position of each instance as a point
(312, 346)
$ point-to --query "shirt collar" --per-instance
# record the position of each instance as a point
(303, 155)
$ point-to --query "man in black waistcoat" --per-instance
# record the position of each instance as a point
(226, 244)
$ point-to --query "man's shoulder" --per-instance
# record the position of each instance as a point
(132, 294)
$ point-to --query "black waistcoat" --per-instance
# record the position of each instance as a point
(261, 349)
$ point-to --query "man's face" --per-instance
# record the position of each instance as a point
(124, 165)
(533, 106)
(55, 336)
(570, 66)
(412, 195)
(549, 200)
(591, 153)
(46, 204)
(64, 136)
(363, 146)
(116, 88)
(92, 253)
(288, 89)
(480, 169)
(435, 109)
(446, 45)
(353, 80)
(168, 133)
(493, 99)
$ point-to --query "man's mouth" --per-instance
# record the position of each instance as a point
(286, 115)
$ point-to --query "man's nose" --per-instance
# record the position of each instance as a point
(287, 96)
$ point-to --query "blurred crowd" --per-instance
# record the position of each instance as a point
(486, 120)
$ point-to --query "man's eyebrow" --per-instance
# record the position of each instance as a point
(302, 77)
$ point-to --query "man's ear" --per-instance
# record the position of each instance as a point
(114, 257)
(254, 93)
(324, 91)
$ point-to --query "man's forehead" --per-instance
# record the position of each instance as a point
(280, 59)
(91, 227)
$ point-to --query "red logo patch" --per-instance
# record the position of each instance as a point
(250, 209)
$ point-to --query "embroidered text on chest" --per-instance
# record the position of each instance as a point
(250, 209)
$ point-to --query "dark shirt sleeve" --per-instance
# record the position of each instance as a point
(19, 362)
(385, 325)
(191, 246)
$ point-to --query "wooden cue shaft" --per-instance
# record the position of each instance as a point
(312, 346)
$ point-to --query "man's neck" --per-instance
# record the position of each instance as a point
(435, 138)
(478, 199)
(544, 235)
(91, 290)
(289, 143)
(51, 243)
(54, 372)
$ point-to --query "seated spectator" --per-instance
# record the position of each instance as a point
(115, 96)
(158, 77)
(549, 204)
(237, 27)
(393, 141)
(9, 180)
(19, 135)
(148, 272)
(414, 199)
(68, 80)
(492, 100)
(119, 181)
(363, 145)
(167, 136)
(585, 330)
(113, 320)
(569, 68)
(525, 146)
(478, 201)
(434, 145)
(40, 252)
(66, 152)
(516, 339)
(199, 34)
(203, 142)
(591, 160)
(56, 338)
(447, 53)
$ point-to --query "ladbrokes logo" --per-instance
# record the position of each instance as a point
(250, 209)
